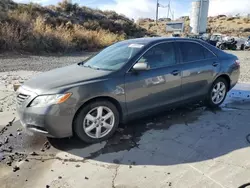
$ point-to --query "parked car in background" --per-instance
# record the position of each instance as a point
(205, 36)
(126, 80)
(240, 42)
(247, 44)
(230, 44)
(214, 38)
(176, 35)
(193, 36)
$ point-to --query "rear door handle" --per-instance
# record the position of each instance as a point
(215, 64)
(175, 72)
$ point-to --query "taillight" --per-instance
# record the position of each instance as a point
(237, 62)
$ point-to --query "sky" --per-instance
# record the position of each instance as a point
(146, 8)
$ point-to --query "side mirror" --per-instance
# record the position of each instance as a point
(141, 66)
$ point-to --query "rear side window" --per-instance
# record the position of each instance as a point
(191, 51)
(208, 54)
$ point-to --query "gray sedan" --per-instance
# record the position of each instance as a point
(126, 80)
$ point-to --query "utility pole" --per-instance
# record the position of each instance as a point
(157, 9)
(168, 8)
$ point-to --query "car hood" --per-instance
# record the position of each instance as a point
(62, 78)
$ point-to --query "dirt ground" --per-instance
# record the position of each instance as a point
(188, 147)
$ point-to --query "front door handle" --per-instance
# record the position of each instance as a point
(175, 72)
(215, 64)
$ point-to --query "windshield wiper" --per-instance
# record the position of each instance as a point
(92, 67)
(88, 66)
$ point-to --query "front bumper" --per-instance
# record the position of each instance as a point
(53, 121)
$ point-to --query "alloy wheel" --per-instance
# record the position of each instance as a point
(218, 92)
(99, 122)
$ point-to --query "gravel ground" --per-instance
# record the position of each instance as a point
(38, 63)
(15, 69)
(244, 57)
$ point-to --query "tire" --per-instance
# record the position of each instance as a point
(222, 47)
(210, 101)
(234, 47)
(218, 46)
(87, 123)
(242, 47)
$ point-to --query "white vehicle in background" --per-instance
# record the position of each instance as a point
(247, 44)
(240, 42)
(214, 38)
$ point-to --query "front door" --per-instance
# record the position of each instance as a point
(160, 85)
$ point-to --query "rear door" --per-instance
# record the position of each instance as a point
(199, 67)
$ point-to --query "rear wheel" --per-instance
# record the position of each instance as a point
(218, 92)
(96, 121)
(242, 47)
(234, 47)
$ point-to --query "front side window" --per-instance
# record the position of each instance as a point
(161, 55)
(191, 52)
(114, 57)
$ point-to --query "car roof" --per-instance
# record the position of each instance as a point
(154, 40)
(151, 40)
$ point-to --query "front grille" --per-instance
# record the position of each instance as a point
(21, 98)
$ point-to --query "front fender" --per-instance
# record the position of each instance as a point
(108, 88)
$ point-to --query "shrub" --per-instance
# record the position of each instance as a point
(230, 18)
(246, 20)
(150, 25)
(246, 29)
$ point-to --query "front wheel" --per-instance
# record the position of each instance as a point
(96, 121)
(218, 92)
(222, 47)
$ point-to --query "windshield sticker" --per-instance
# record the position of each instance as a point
(135, 46)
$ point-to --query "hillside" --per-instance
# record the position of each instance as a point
(221, 24)
(61, 28)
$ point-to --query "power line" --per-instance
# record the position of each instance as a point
(169, 11)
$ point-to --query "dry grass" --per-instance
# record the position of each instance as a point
(33, 28)
(231, 26)
(41, 37)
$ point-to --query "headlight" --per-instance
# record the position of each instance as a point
(46, 100)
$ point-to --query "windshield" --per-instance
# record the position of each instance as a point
(215, 37)
(113, 57)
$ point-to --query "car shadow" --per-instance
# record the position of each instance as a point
(127, 135)
(188, 134)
